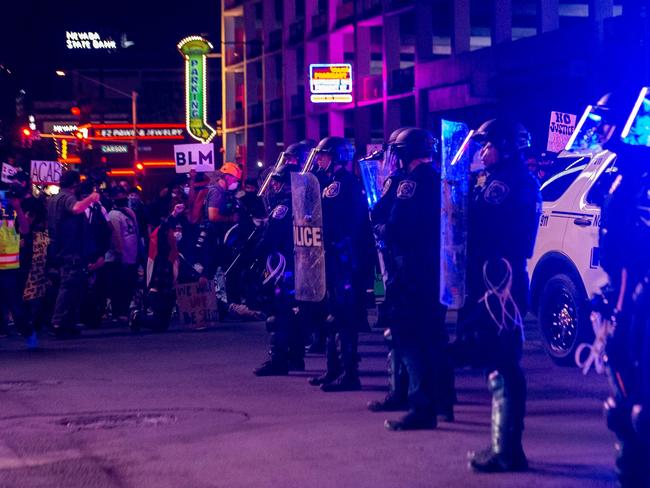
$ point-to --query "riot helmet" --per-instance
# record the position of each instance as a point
(330, 153)
(281, 179)
(294, 155)
(509, 138)
(410, 143)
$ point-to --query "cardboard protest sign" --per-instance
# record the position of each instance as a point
(46, 172)
(197, 305)
(560, 129)
(8, 171)
(197, 157)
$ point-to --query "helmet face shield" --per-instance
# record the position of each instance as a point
(593, 130)
(282, 161)
(391, 161)
(636, 131)
(318, 160)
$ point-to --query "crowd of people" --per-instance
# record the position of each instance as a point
(303, 250)
(81, 256)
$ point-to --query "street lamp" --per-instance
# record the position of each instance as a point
(134, 104)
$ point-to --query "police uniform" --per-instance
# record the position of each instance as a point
(397, 396)
(503, 220)
(276, 244)
(413, 311)
(348, 247)
(624, 244)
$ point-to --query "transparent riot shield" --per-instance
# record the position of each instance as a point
(308, 237)
(373, 175)
(458, 151)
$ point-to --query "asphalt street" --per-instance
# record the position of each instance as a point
(183, 409)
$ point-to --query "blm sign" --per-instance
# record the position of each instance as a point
(197, 157)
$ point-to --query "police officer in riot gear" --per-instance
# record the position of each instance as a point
(276, 251)
(348, 246)
(397, 396)
(503, 219)
(624, 244)
(416, 317)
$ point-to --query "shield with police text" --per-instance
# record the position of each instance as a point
(458, 151)
(308, 243)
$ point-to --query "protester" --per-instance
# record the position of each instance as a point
(33, 263)
(97, 237)
(66, 221)
(122, 255)
(12, 223)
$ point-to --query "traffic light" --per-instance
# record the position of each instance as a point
(28, 136)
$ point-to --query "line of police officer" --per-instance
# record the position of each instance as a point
(504, 210)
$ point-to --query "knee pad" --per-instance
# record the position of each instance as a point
(496, 382)
(330, 324)
(641, 422)
(388, 337)
(618, 420)
(271, 324)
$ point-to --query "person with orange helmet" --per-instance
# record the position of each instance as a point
(217, 217)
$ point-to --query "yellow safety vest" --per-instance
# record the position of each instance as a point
(9, 245)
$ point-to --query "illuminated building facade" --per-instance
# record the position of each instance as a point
(413, 61)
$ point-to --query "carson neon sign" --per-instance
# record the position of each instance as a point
(330, 83)
(194, 49)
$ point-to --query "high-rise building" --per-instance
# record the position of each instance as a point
(412, 62)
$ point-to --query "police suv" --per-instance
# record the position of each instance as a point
(564, 269)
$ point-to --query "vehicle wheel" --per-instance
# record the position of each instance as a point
(564, 318)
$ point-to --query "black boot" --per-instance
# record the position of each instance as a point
(272, 368)
(334, 368)
(506, 452)
(348, 381)
(296, 364)
(413, 420)
(447, 387)
(390, 403)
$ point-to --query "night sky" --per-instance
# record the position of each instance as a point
(32, 34)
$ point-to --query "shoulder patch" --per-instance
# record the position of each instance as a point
(496, 192)
(386, 187)
(279, 212)
(332, 190)
(406, 189)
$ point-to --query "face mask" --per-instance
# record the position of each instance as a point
(233, 186)
(186, 190)
(178, 236)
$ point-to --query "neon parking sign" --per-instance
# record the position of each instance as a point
(330, 83)
(194, 49)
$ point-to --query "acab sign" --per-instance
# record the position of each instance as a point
(46, 172)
